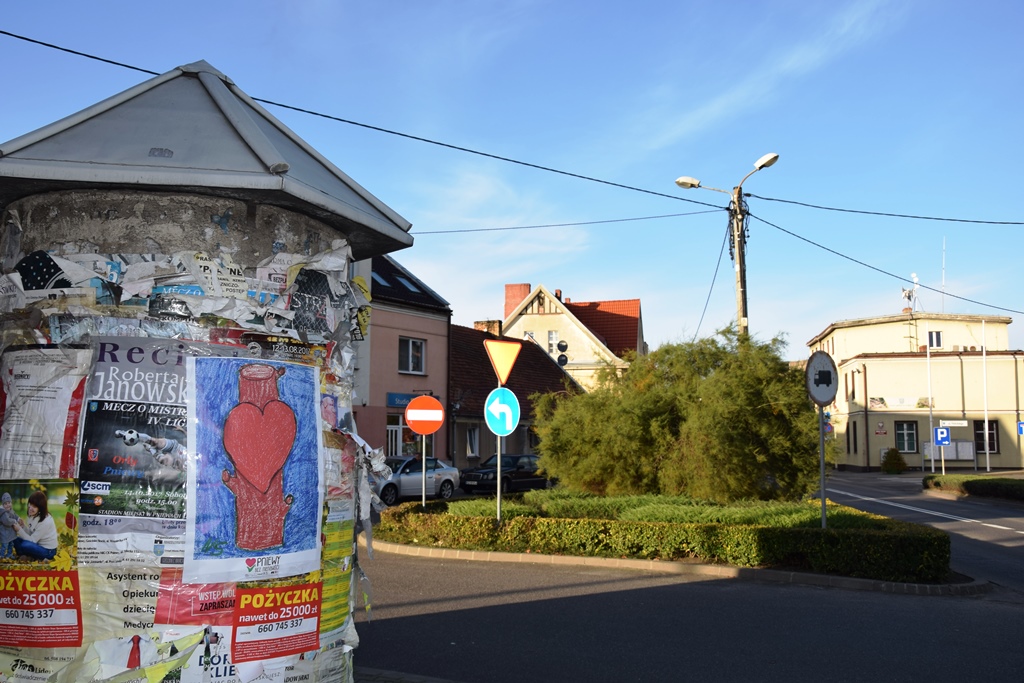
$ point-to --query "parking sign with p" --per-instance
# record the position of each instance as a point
(942, 436)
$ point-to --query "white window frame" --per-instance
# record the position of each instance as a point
(408, 356)
(935, 339)
(904, 428)
(552, 341)
(473, 442)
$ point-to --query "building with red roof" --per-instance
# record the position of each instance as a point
(582, 337)
(471, 378)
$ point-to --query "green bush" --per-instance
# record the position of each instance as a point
(893, 462)
(881, 549)
(976, 485)
(488, 507)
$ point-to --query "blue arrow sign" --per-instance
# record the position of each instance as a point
(501, 411)
(942, 436)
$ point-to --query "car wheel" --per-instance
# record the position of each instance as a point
(506, 485)
(389, 495)
(446, 490)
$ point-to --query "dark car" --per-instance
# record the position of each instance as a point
(518, 473)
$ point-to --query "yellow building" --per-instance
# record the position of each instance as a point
(582, 337)
(902, 376)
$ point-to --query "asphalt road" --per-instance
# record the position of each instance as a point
(987, 535)
(495, 623)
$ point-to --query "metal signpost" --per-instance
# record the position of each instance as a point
(941, 439)
(501, 409)
(942, 451)
(822, 383)
(424, 415)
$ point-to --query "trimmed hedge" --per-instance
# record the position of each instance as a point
(976, 485)
(897, 551)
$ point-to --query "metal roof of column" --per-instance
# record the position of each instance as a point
(193, 130)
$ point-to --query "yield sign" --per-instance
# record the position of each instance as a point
(424, 415)
(503, 356)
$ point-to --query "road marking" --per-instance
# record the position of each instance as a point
(922, 510)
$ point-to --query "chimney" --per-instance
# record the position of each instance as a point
(514, 295)
(558, 294)
(492, 326)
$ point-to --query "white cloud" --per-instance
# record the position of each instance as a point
(851, 27)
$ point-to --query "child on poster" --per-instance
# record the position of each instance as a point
(8, 528)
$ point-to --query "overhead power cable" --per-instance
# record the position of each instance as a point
(388, 131)
(76, 52)
(565, 225)
(488, 155)
(588, 178)
(881, 213)
(879, 270)
(718, 264)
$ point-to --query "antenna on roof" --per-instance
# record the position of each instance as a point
(910, 295)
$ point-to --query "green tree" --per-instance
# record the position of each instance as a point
(720, 418)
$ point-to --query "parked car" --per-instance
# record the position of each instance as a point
(518, 473)
(407, 480)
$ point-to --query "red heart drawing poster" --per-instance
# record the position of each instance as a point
(256, 477)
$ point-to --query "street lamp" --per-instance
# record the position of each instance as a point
(737, 221)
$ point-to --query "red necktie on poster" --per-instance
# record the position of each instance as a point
(135, 656)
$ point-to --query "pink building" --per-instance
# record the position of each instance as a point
(405, 354)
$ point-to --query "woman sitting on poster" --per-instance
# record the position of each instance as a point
(37, 537)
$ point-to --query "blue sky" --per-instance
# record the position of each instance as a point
(889, 106)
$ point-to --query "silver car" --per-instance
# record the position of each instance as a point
(407, 480)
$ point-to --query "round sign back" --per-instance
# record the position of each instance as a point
(822, 378)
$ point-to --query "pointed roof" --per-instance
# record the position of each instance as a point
(616, 322)
(192, 129)
(616, 325)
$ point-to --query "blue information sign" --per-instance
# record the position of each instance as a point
(501, 411)
(942, 436)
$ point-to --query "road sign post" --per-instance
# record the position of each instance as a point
(942, 439)
(501, 405)
(942, 449)
(424, 415)
(822, 381)
(501, 412)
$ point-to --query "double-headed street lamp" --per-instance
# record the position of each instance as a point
(738, 220)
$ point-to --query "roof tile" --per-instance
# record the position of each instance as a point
(472, 378)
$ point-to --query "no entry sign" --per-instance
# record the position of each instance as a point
(424, 415)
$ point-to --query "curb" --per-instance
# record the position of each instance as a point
(714, 571)
(363, 674)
